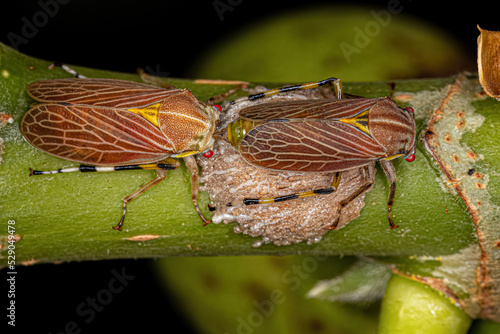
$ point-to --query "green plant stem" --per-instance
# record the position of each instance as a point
(69, 217)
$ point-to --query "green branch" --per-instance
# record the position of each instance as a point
(70, 217)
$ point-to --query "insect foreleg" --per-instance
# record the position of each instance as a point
(193, 169)
(389, 170)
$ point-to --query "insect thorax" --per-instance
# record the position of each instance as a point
(188, 123)
(237, 130)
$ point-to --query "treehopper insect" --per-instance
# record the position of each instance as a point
(114, 125)
(323, 135)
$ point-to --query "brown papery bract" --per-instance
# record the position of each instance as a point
(488, 61)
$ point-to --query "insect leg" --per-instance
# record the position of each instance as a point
(67, 69)
(154, 80)
(222, 97)
(166, 164)
(310, 85)
(193, 169)
(325, 191)
(391, 176)
(161, 172)
(160, 175)
(366, 171)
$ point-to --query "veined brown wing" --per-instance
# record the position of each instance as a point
(328, 109)
(98, 92)
(94, 135)
(309, 146)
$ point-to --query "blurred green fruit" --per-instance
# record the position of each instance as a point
(407, 303)
(261, 294)
(352, 43)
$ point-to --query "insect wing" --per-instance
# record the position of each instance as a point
(328, 109)
(94, 135)
(309, 146)
(98, 92)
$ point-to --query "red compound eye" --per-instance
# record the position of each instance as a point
(410, 158)
(410, 109)
(208, 154)
(218, 107)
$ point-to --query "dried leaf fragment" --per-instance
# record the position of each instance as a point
(488, 61)
(143, 237)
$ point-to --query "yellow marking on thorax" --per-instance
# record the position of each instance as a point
(150, 112)
(185, 154)
(393, 156)
(360, 121)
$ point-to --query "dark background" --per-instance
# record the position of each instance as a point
(124, 35)
(166, 37)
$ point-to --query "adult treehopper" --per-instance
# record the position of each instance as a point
(114, 125)
(323, 135)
